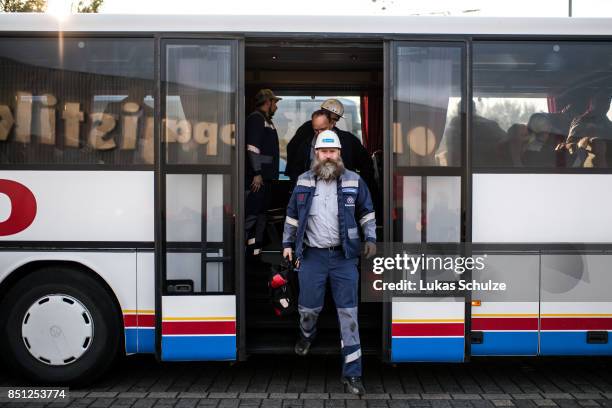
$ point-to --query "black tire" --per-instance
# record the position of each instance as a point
(106, 341)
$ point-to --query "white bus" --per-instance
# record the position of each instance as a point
(122, 181)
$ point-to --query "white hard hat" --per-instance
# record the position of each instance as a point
(327, 139)
(333, 106)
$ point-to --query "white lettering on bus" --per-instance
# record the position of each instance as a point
(73, 117)
(103, 123)
(129, 129)
(206, 133)
(175, 130)
(23, 112)
(6, 122)
(47, 120)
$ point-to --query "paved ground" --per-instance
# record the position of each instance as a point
(279, 382)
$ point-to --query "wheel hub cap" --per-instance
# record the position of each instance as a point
(57, 329)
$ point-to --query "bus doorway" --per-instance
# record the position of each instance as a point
(305, 74)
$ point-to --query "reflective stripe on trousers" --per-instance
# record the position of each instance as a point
(317, 265)
(256, 207)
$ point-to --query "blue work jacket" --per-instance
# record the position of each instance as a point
(354, 208)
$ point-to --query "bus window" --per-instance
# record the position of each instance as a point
(427, 133)
(542, 105)
(427, 124)
(199, 123)
(76, 101)
(199, 95)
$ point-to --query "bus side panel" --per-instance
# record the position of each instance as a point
(428, 329)
(117, 269)
(542, 208)
(508, 328)
(85, 206)
(576, 312)
(198, 328)
(507, 320)
(140, 323)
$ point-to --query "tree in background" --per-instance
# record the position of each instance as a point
(40, 6)
(510, 111)
(88, 6)
(23, 6)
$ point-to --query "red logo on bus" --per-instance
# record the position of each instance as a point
(23, 207)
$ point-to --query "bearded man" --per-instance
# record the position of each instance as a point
(325, 209)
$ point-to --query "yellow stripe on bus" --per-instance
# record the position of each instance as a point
(504, 315)
(134, 311)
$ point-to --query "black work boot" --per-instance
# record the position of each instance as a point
(302, 346)
(353, 385)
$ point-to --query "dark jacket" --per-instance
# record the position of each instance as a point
(354, 154)
(262, 147)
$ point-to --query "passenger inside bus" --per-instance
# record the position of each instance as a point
(569, 138)
(540, 146)
(591, 132)
(561, 94)
(512, 149)
(300, 151)
(346, 81)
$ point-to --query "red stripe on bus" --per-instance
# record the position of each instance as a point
(134, 320)
(199, 327)
(427, 329)
(506, 323)
(576, 323)
(130, 320)
(146, 320)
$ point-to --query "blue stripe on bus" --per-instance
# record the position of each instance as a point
(131, 340)
(571, 344)
(146, 340)
(507, 344)
(198, 348)
(139, 340)
(438, 349)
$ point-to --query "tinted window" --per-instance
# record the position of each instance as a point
(542, 105)
(427, 132)
(427, 120)
(199, 95)
(200, 103)
(76, 101)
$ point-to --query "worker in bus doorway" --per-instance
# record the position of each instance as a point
(300, 149)
(262, 154)
(327, 206)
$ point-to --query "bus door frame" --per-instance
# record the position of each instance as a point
(464, 171)
(238, 188)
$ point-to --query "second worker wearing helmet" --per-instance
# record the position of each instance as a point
(300, 150)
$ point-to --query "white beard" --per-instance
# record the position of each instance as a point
(328, 169)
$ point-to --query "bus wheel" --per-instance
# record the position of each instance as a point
(59, 325)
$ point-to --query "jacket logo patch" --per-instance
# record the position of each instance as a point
(300, 197)
(350, 200)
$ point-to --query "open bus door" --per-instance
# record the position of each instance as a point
(198, 201)
(426, 185)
